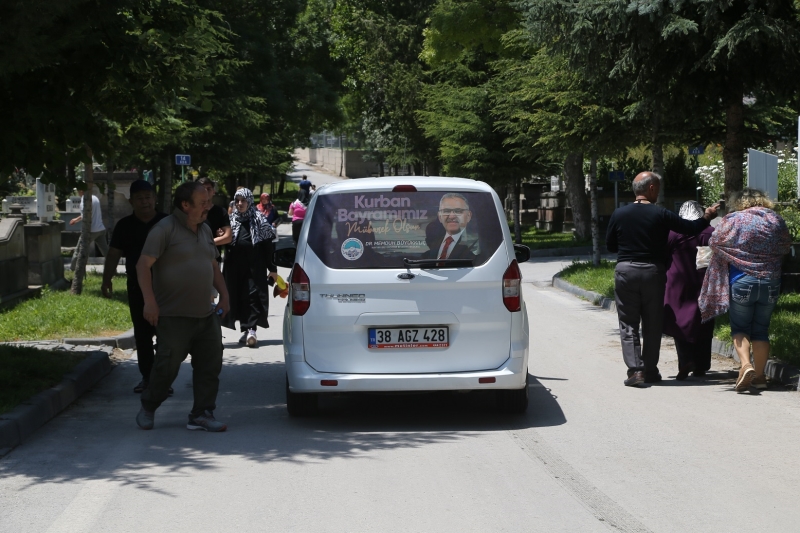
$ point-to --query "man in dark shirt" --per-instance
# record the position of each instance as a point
(217, 219)
(127, 240)
(638, 233)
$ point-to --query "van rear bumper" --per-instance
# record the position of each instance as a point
(510, 375)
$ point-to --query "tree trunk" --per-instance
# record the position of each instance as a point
(166, 182)
(282, 184)
(341, 153)
(657, 164)
(110, 188)
(595, 218)
(575, 185)
(733, 152)
(515, 211)
(86, 227)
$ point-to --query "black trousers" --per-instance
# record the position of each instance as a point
(143, 331)
(249, 302)
(639, 293)
(695, 356)
(297, 225)
(179, 337)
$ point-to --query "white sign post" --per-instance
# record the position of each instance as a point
(762, 172)
(45, 200)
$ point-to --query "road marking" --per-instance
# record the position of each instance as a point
(601, 506)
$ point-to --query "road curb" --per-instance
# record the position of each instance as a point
(596, 298)
(20, 423)
(123, 341)
(783, 373)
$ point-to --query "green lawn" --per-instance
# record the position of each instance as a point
(598, 279)
(538, 240)
(25, 372)
(784, 331)
(59, 314)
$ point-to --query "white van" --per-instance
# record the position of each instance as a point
(405, 284)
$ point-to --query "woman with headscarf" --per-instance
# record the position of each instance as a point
(268, 209)
(297, 210)
(681, 312)
(744, 278)
(248, 267)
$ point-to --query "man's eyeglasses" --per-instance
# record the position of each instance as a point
(447, 212)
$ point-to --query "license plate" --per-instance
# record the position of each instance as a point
(412, 337)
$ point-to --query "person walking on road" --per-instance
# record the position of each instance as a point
(744, 278)
(97, 233)
(248, 267)
(217, 218)
(128, 240)
(177, 294)
(685, 276)
(638, 233)
(297, 211)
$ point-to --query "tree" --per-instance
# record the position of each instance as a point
(545, 107)
(684, 64)
(462, 42)
(129, 63)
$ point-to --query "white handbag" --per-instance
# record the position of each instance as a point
(703, 257)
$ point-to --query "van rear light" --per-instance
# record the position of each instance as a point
(404, 188)
(301, 291)
(512, 287)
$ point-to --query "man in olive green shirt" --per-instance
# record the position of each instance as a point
(176, 272)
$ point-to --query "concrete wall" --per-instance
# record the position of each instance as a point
(331, 160)
(43, 247)
(122, 192)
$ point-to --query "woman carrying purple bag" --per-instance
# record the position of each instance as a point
(744, 278)
(682, 319)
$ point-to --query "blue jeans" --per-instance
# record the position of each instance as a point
(752, 303)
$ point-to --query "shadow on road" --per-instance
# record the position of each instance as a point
(97, 438)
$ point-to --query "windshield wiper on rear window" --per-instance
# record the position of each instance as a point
(437, 263)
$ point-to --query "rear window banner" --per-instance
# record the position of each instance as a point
(380, 229)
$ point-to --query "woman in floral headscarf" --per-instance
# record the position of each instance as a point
(248, 267)
(744, 278)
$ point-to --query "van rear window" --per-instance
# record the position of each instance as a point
(380, 229)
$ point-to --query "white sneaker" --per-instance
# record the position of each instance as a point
(251, 338)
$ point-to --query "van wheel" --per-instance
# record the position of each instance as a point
(513, 401)
(300, 404)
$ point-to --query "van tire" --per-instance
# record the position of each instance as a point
(300, 405)
(513, 401)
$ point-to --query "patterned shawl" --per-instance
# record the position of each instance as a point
(754, 241)
(260, 229)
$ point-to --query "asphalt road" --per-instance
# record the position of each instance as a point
(590, 454)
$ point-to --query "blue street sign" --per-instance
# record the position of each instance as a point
(616, 175)
(183, 160)
(696, 150)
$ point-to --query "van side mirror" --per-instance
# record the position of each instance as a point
(284, 257)
(522, 253)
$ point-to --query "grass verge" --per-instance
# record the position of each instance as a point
(783, 330)
(598, 279)
(25, 372)
(59, 314)
(536, 239)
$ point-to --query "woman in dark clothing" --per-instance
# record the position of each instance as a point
(248, 267)
(681, 310)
